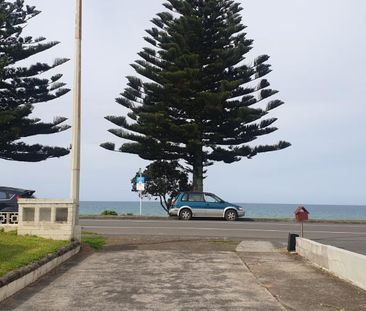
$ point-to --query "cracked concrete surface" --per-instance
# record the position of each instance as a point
(148, 280)
(157, 273)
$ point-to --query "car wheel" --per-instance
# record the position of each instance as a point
(231, 215)
(185, 214)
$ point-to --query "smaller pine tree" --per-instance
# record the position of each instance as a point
(164, 180)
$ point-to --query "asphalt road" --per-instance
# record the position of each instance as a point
(348, 236)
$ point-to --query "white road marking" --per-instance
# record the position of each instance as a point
(218, 229)
(274, 223)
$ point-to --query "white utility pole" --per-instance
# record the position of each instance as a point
(140, 192)
(76, 124)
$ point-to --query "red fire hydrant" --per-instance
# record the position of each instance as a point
(302, 214)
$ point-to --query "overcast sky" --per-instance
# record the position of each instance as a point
(317, 51)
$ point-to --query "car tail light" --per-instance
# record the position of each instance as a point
(18, 197)
(173, 202)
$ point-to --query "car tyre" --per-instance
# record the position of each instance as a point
(231, 215)
(185, 214)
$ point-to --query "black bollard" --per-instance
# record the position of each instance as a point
(291, 243)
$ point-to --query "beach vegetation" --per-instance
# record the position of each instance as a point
(109, 213)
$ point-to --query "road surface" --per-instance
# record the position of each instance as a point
(348, 236)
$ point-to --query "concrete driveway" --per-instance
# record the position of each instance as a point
(147, 280)
(179, 273)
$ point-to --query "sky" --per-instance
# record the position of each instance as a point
(318, 59)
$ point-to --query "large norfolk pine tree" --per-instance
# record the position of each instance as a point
(198, 97)
(22, 87)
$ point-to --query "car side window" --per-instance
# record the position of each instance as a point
(210, 199)
(196, 197)
(3, 195)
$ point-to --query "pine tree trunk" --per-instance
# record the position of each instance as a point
(198, 173)
(198, 178)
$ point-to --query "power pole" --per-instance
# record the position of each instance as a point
(76, 124)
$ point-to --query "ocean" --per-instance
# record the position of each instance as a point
(253, 210)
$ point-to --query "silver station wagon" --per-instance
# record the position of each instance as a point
(203, 204)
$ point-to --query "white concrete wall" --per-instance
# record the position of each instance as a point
(50, 228)
(8, 228)
(344, 264)
(8, 221)
(15, 286)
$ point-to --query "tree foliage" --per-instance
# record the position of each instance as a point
(198, 98)
(164, 179)
(23, 87)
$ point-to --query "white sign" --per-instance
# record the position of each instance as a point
(140, 186)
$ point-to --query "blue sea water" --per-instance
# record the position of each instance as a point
(254, 210)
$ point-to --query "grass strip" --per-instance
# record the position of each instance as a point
(92, 239)
(19, 251)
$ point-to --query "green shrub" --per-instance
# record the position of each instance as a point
(109, 213)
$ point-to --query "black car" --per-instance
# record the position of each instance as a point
(9, 198)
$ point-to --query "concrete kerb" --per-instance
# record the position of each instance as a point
(342, 263)
(19, 279)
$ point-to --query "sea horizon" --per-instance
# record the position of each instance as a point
(279, 203)
(253, 210)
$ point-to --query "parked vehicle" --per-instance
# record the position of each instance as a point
(202, 204)
(9, 198)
